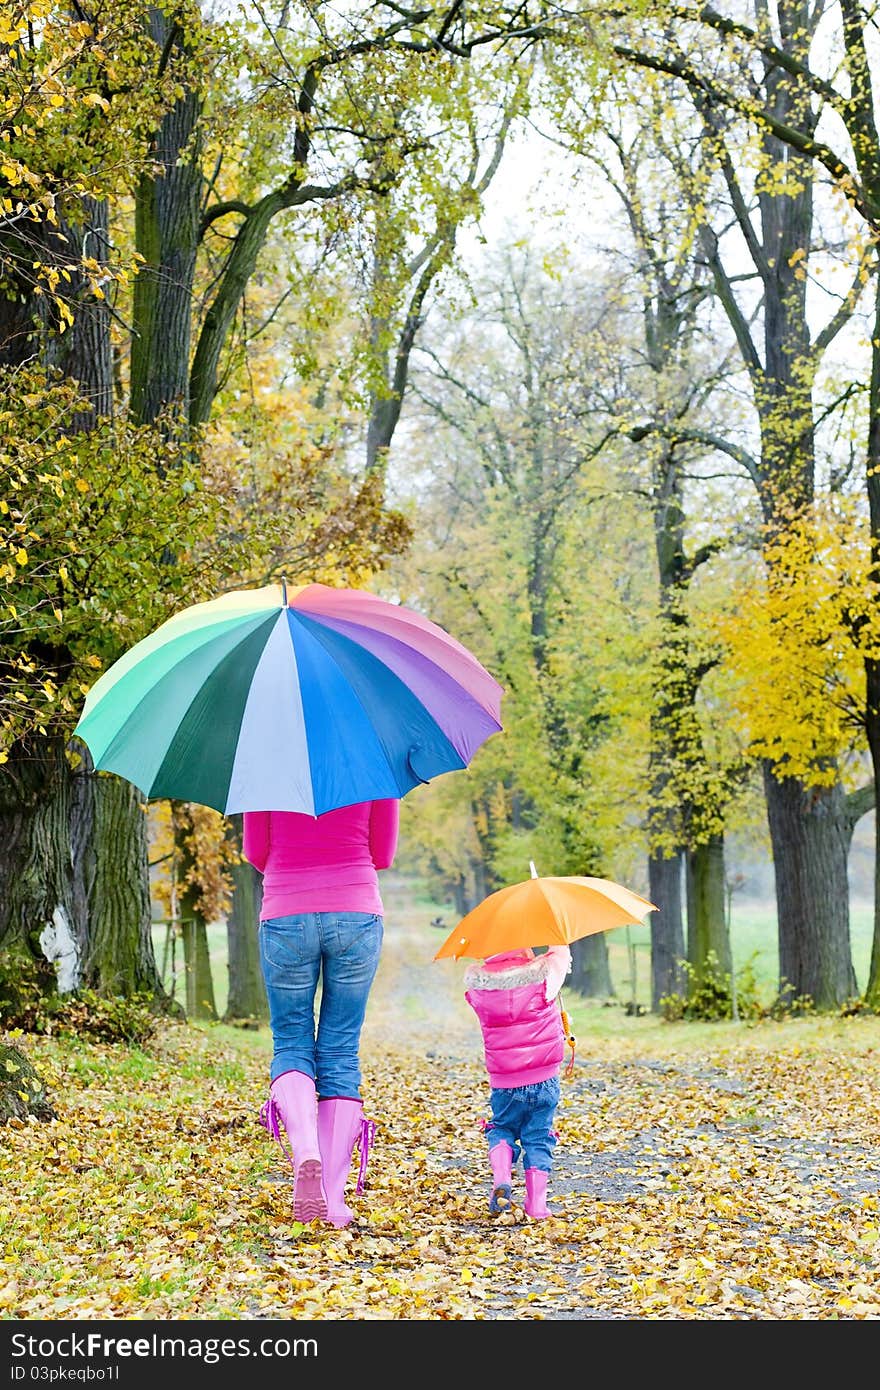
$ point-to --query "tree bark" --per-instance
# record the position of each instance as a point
(810, 834)
(786, 113)
(240, 265)
(708, 934)
(35, 864)
(166, 235)
(247, 990)
(22, 1090)
(872, 663)
(806, 824)
(200, 1002)
(111, 879)
(667, 930)
(108, 833)
(872, 670)
(80, 864)
(83, 353)
(674, 732)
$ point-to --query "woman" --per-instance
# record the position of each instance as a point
(321, 919)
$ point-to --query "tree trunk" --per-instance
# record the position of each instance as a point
(112, 889)
(708, 934)
(872, 694)
(674, 732)
(74, 864)
(240, 266)
(460, 898)
(108, 826)
(166, 235)
(872, 988)
(83, 353)
(590, 968)
(199, 979)
(872, 663)
(810, 840)
(667, 932)
(200, 1002)
(36, 888)
(22, 1090)
(247, 990)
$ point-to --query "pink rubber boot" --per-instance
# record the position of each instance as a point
(292, 1098)
(535, 1204)
(501, 1159)
(340, 1124)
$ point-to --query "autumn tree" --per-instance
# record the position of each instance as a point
(514, 390)
(74, 123)
(214, 129)
(801, 627)
(83, 513)
(665, 392)
(773, 212)
(831, 128)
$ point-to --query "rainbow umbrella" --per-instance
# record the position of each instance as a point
(290, 699)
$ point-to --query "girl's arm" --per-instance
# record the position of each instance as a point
(558, 960)
(256, 838)
(384, 826)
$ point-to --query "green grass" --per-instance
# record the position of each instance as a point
(753, 940)
(651, 1035)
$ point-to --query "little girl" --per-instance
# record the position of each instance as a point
(514, 998)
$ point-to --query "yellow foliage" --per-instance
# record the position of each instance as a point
(190, 849)
(797, 631)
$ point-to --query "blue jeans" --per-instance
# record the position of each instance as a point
(342, 949)
(523, 1116)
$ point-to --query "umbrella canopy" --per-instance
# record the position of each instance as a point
(290, 699)
(543, 912)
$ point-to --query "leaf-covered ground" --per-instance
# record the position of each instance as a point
(703, 1172)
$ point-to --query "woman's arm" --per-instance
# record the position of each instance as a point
(256, 838)
(384, 826)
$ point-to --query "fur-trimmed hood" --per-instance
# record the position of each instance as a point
(531, 972)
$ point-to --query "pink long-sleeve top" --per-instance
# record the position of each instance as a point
(322, 863)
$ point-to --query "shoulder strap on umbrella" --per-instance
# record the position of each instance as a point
(571, 1040)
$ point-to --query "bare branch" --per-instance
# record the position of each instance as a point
(685, 434)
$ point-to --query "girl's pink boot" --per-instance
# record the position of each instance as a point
(535, 1204)
(501, 1159)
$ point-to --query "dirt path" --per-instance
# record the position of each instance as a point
(416, 999)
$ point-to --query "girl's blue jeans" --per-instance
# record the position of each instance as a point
(522, 1116)
(341, 950)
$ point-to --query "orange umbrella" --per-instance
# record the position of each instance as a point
(543, 912)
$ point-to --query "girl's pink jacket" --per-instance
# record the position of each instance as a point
(322, 863)
(519, 1016)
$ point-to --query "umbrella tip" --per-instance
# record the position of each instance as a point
(283, 592)
(532, 869)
